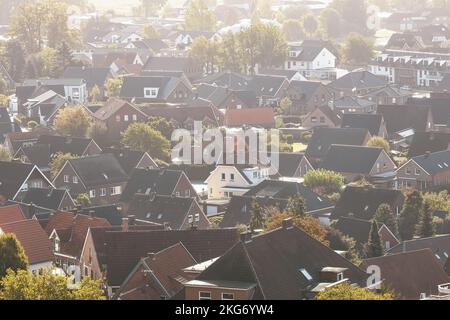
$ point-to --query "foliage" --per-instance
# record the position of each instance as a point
(162, 125)
(286, 105)
(310, 24)
(257, 216)
(425, 228)
(296, 206)
(150, 32)
(437, 201)
(374, 247)
(113, 87)
(83, 200)
(3, 100)
(143, 137)
(99, 133)
(58, 162)
(72, 121)
(330, 22)
(384, 215)
(205, 51)
(49, 59)
(323, 181)
(379, 142)
(24, 285)
(198, 17)
(95, 94)
(345, 291)
(357, 49)
(12, 254)
(339, 241)
(352, 11)
(410, 214)
(5, 155)
(292, 30)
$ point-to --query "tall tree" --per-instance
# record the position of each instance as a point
(384, 215)
(228, 52)
(113, 87)
(409, 217)
(73, 121)
(199, 18)
(330, 22)
(373, 247)
(357, 49)
(296, 206)
(12, 255)
(15, 59)
(293, 30)
(257, 218)
(59, 161)
(310, 24)
(425, 228)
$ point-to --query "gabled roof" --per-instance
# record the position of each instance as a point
(112, 213)
(111, 107)
(227, 79)
(273, 261)
(423, 142)
(358, 229)
(400, 117)
(146, 181)
(154, 44)
(289, 163)
(11, 213)
(12, 176)
(92, 76)
(323, 138)
(435, 162)
(371, 122)
(359, 79)
(128, 158)
(351, 159)
(168, 63)
(133, 86)
(410, 274)
(33, 239)
(266, 85)
(45, 198)
(362, 202)
(98, 170)
(309, 49)
(264, 117)
(333, 116)
(305, 89)
(438, 106)
(352, 102)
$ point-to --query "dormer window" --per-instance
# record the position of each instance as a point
(151, 92)
(340, 276)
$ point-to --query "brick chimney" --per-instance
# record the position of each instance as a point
(92, 213)
(124, 224)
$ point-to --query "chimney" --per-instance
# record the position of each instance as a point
(92, 213)
(124, 224)
(246, 237)
(31, 210)
(193, 227)
(287, 223)
(78, 209)
(427, 154)
(131, 220)
(151, 255)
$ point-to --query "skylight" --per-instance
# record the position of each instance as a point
(305, 274)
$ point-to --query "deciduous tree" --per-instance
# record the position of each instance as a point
(346, 291)
(72, 121)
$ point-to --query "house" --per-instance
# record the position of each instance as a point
(11, 213)
(184, 116)
(15, 140)
(291, 165)
(227, 79)
(16, 178)
(99, 176)
(357, 82)
(225, 98)
(359, 230)
(154, 45)
(131, 159)
(257, 117)
(291, 75)
(178, 213)
(128, 34)
(352, 104)
(34, 241)
(405, 41)
(184, 38)
(402, 117)
(44, 107)
(411, 275)
(158, 275)
(426, 171)
(116, 115)
(362, 202)
(285, 263)
(306, 96)
(67, 232)
(93, 76)
(322, 117)
(268, 89)
(322, 139)
(144, 89)
(159, 182)
(390, 94)
(193, 70)
(226, 181)
(114, 252)
(312, 58)
(275, 193)
(354, 162)
(6, 125)
(438, 103)
(54, 199)
(423, 142)
(372, 122)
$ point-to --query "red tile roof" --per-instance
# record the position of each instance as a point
(11, 213)
(250, 116)
(33, 238)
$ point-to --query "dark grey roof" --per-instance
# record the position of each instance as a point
(423, 142)
(227, 79)
(108, 212)
(266, 85)
(127, 158)
(92, 76)
(371, 122)
(435, 162)
(439, 107)
(133, 86)
(358, 80)
(45, 198)
(305, 89)
(358, 229)
(400, 117)
(168, 63)
(12, 176)
(323, 138)
(99, 170)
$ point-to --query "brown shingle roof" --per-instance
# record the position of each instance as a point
(10, 214)
(264, 117)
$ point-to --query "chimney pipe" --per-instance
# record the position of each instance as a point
(92, 213)
(125, 224)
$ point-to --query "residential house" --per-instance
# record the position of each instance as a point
(34, 241)
(390, 94)
(438, 103)
(193, 70)
(116, 115)
(352, 104)
(226, 98)
(357, 82)
(131, 159)
(355, 162)
(154, 45)
(44, 107)
(178, 213)
(372, 122)
(128, 34)
(6, 125)
(322, 117)
(290, 166)
(268, 89)
(11, 213)
(306, 96)
(15, 140)
(405, 41)
(257, 117)
(250, 271)
(94, 77)
(100, 176)
(423, 142)
(426, 171)
(54, 199)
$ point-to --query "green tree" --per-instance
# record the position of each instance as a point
(310, 24)
(14, 59)
(83, 200)
(198, 17)
(293, 30)
(437, 201)
(205, 51)
(373, 247)
(296, 206)
(384, 215)
(346, 291)
(286, 105)
(50, 63)
(410, 214)
(162, 125)
(229, 52)
(113, 87)
(425, 228)
(257, 216)
(12, 254)
(95, 94)
(150, 32)
(99, 133)
(72, 121)
(295, 12)
(357, 49)
(352, 11)
(330, 22)
(58, 162)
(64, 56)
(5, 155)
(141, 136)
(324, 181)
(380, 142)
(24, 285)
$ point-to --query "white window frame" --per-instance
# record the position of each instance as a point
(223, 293)
(204, 298)
(66, 178)
(75, 179)
(92, 193)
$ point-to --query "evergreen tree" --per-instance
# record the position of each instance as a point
(65, 58)
(410, 214)
(296, 206)
(257, 218)
(12, 254)
(425, 227)
(385, 215)
(374, 248)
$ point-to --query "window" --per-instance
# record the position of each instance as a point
(125, 118)
(190, 219)
(322, 119)
(313, 119)
(306, 274)
(118, 118)
(223, 176)
(150, 92)
(90, 256)
(56, 245)
(115, 190)
(66, 178)
(134, 117)
(232, 177)
(92, 193)
(408, 171)
(102, 192)
(75, 179)
(255, 174)
(227, 296)
(197, 217)
(204, 295)
(177, 194)
(340, 276)
(76, 92)
(387, 245)
(417, 172)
